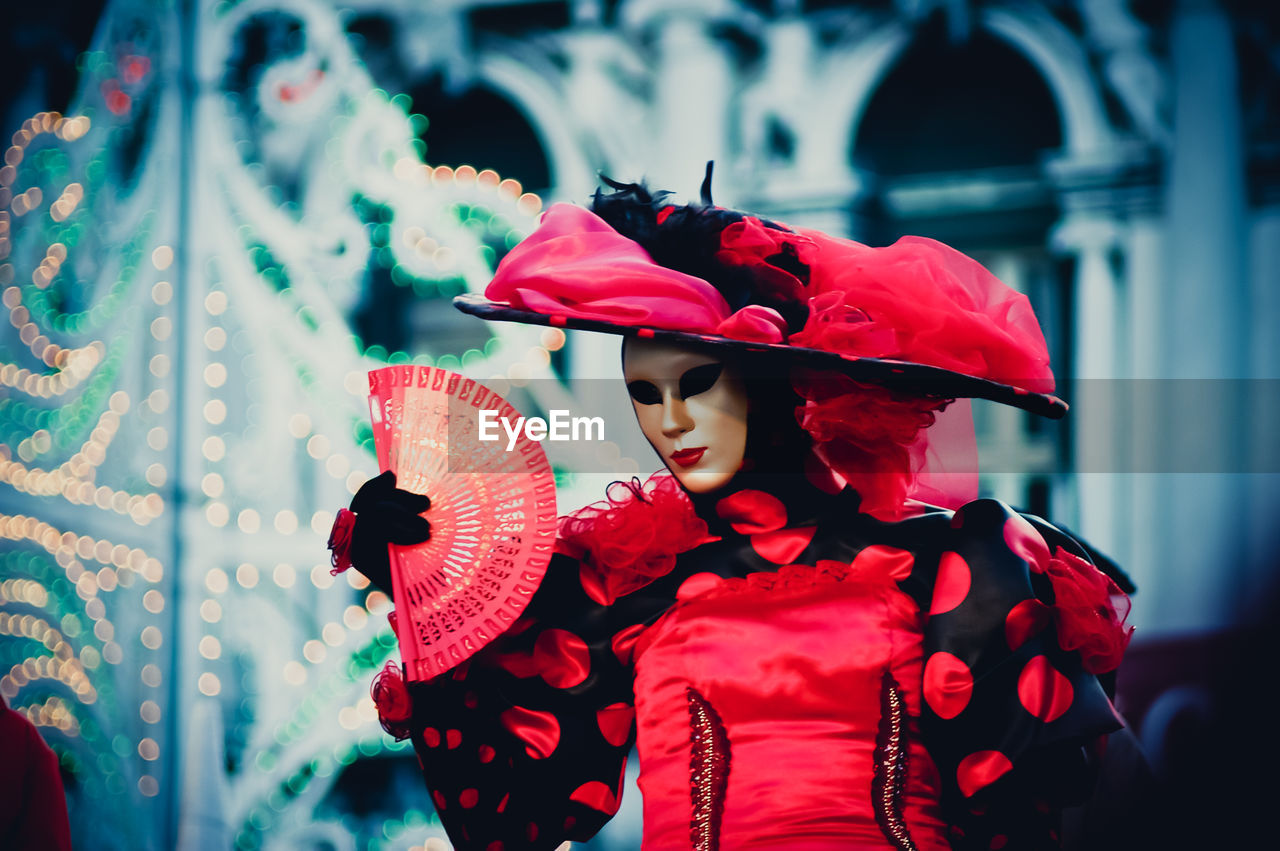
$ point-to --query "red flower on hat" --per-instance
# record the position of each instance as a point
(391, 696)
(1090, 611)
(749, 243)
(836, 326)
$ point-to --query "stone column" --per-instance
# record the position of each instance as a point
(1145, 278)
(1204, 331)
(1097, 361)
(1264, 401)
(1005, 424)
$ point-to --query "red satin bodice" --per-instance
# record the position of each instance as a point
(796, 694)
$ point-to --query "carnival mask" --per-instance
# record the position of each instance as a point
(692, 407)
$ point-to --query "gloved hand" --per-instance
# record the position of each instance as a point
(380, 514)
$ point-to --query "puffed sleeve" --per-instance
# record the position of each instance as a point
(1019, 626)
(524, 746)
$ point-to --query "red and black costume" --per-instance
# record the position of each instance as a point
(806, 658)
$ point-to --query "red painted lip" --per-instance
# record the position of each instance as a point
(688, 457)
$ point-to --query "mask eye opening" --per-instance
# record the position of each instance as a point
(700, 379)
(644, 392)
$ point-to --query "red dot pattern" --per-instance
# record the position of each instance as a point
(751, 512)
(562, 658)
(596, 795)
(1025, 620)
(615, 722)
(469, 798)
(948, 684)
(431, 737)
(624, 643)
(486, 754)
(1043, 691)
(979, 770)
(952, 585)
(538, 729)
(783, 546)
(882, 560)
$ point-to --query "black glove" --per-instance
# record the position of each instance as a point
(385, 514)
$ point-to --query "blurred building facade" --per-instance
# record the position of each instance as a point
(250, 202)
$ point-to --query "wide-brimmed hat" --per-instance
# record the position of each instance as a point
(916, 317)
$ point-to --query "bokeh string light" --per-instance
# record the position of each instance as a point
(222, 365)
(82, 625)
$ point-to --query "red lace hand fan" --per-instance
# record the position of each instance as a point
(493, 514)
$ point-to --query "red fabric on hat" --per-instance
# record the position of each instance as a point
(750, 243)
(922, 301)
(575, 265)
(755, 323)
(917, 300)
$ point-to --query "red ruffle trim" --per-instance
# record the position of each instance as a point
(340, 541)
(632, 537)
(1090, 612)
(789, 577)
(870, 436)
(795, 577)
(391, 697)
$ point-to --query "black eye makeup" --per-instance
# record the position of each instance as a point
(700, 379)
(644, 393)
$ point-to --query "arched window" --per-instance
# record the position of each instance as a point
(480, 127)
(949, 106)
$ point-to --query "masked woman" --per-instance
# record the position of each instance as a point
(812, 634)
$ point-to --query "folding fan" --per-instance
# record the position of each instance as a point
(493, 513)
